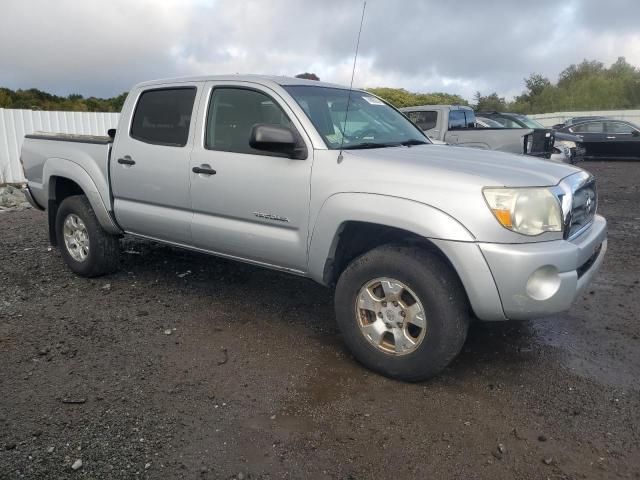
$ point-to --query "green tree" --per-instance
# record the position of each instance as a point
(489, 103)
(399, 97)
(308, 76)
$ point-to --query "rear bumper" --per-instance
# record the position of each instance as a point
(27, 193)
(539, 279)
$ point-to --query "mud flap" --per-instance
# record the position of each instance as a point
(52, 211)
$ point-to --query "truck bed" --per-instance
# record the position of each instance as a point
(71, 137)
(47, 155)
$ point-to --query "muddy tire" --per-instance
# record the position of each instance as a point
(85, 246)
(402, 311)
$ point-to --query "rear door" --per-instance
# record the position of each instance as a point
(150, 163)
(256, 204)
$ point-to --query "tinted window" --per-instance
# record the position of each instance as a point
(590, 127)
(425, 120)
(461, 119)
(617, 127)
(163, 116)
(232, 114)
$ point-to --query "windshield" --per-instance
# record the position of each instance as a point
(370, 123)
(529, 122)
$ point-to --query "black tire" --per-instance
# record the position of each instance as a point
(104, 249)
(440, 292)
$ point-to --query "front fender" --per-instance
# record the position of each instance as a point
(60, 167)
(419, 218)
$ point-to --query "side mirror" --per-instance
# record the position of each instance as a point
(276, 139)
(111, 133)
(635, 133)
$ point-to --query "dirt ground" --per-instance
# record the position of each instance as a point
(187, 366)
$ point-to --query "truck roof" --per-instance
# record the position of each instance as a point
(261, 79)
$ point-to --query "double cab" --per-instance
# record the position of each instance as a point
(332, 184)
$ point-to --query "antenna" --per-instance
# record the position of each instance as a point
(353, 72)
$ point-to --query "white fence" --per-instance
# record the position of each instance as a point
(550, 119)
(15, 124)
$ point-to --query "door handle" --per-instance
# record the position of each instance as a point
(610, 138)
(126, 160)
(204, 169)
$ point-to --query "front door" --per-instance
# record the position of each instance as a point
(248, 204)
(624, 140)
(150, 164)
(593, 137)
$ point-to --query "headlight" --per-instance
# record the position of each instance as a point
(566, 143)
(529, 211)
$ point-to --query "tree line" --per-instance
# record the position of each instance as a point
(34, 99)
(585, 86)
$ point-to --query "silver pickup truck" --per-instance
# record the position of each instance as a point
(416, 238)
(457, 125)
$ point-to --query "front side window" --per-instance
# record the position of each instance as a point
(426, 120)
(233, 112)
(617, 127)
(162, 117)
(590, 127)
(368, 122)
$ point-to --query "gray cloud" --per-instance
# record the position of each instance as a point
(98, 48)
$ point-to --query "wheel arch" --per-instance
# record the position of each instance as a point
(66, 178)
(350, 224)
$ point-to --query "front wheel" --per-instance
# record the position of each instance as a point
(402, 311)
(85, 247)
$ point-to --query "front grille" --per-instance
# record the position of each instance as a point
(539, 143)
(577, 153)
(583, 209)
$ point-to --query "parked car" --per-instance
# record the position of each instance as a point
(567, 148)
(574, 120)
(273, 171)
(608, 138)
(456, 125)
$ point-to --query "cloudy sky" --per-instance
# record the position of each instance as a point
(101, 48)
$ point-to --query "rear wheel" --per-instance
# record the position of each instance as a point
(85, 246)
(403, 311)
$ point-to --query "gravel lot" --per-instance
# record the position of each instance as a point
(187, 366)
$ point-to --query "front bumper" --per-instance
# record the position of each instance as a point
(538, 279)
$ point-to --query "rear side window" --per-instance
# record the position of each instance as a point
(461, 119)
(162, 117)
(425, 120)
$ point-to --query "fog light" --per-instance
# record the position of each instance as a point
(543, 283)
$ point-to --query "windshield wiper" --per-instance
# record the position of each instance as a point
(360, 146)
(410, 143)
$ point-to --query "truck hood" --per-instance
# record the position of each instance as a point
(450, 179)
(470, 166)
